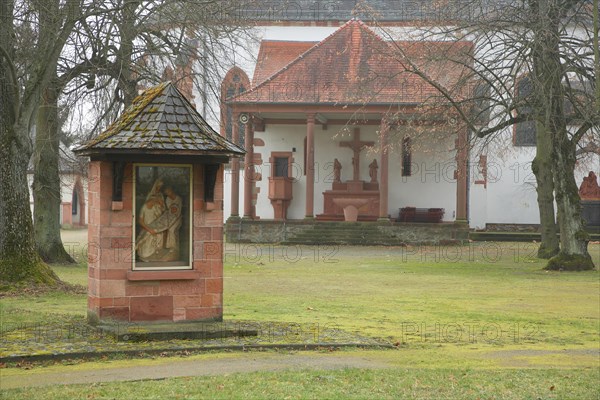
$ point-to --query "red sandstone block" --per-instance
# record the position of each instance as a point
(92, 303)
(216, 269)
(121, 243)
(198, 250)
(202, 234)
(112, 288)
(104, 302)
(188, 301)
(217, 300)
(219, 191)
(217, 234)
(199, 219)
(93, 272)
(127, 202)
(178, 288)
(198, 205)
(93, 230)
(207, 300)
(198, 171)
(113, 273)
(213, 219)
(192, 314)
(116, 231)
(203, 267)
(92, 287)
(155, 308)
(105, 217)
(105, 168)
(114, 259)
(179, 314)
(146, 289)
(118, 313)
(121, 301)
(214, 285)
(122, 217)
(212, 250)
(93, 218)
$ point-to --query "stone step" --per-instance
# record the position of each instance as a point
(514, 236)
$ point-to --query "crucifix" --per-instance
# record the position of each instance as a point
(356, 145)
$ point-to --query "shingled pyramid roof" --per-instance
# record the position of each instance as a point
(160, 121)
(354, 65)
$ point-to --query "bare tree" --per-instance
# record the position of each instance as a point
(49, 47)
(118, 46)
(49, 23)
(531, 69)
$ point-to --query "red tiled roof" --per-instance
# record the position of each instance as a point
(276, 54)
(355, 66)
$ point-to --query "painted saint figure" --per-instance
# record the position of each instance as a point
(337, 168)
(373, 171)
(149, 241)
(173, 203)
(161, 220)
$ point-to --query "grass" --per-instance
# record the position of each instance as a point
(476, 321)
(346, 384)
(421, 295)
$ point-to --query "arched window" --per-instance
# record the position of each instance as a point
(524, 133)
(235, 82)
(406, 157)
(74, 203)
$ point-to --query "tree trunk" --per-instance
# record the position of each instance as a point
(548, 72)
(19, 262)
(574, 239)
(542, 169)
(46, 183)
(127, 82)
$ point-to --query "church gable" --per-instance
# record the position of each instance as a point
(352, 66)
(274, 55)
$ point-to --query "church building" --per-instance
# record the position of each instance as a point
(336, 130)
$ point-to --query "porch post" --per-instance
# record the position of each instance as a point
(235, 168)
(462, 155)
(248, 170)
(310, 165)
(384, 167)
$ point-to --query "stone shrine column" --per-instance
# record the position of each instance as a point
(462, 154)
(384, 169)
(235, 168)
(248, 170)
(310, 165)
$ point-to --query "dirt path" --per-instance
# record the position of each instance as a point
(202, 367)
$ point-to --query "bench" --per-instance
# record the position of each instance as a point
(413, 214)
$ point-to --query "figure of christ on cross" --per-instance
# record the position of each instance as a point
(356, 145)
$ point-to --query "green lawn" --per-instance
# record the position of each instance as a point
(399, 383)
(483, 294)
(477, 321)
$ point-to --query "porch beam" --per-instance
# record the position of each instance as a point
(310, 165)
(384, 169)
(235, 168)
(248, 170)
(462, 155)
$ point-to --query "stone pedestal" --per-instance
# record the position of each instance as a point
(351, 206)
(117, 291)
(155, 234)
(280, 195)
(360, 198)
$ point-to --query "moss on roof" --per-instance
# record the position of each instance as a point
(160, 118)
